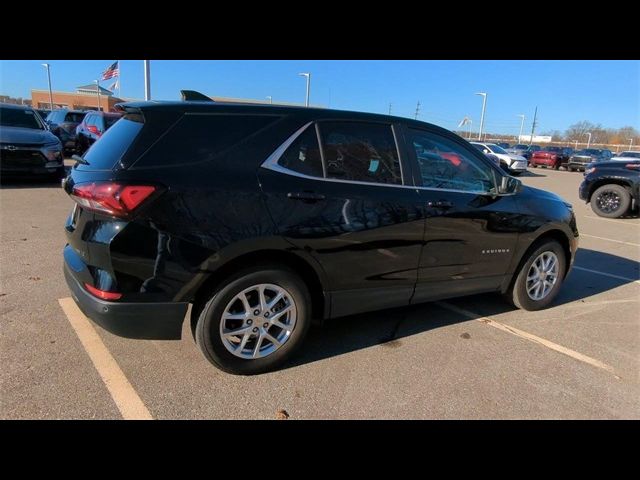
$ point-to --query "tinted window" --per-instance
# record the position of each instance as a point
(18, 117)
(197, 138)
(303, 155)
(479, 147)
(109, 120)
(56, 116)
(104, 154)
(496, 149)
(446, 164)
(90, 120)
(73, 117)
(364, 152)
(630, 154)
(553, 149)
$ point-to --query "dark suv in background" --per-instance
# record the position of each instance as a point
(580, 159)
(612, 187)
(92, 128)
(265, 217)
(27, 147)
(63, 123)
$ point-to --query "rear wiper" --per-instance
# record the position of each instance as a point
(79, 159)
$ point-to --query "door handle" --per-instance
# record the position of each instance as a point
(306, 196)
(440, 204)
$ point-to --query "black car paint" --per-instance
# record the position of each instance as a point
(363, 246)
(604, 173)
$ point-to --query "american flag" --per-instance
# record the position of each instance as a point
(112, 71)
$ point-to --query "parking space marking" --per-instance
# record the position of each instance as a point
(129, 404)
(607, 274)
(531, 337)
(623, 222)
(610, 240)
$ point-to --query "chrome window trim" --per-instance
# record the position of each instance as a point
(271, 163)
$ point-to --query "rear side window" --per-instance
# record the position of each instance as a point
(105, 153)
(364, 152)
(303, 155)
(197, 138)
(110, 120)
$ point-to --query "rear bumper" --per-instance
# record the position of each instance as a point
(153, 321)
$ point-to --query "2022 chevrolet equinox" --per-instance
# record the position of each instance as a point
(267, 217)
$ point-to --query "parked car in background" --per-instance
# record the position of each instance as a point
(504, 145)
(63, 123)
(268, 217)
(93, 127)
(626, 155)
(551, 157)
(511, 163)
(611, 187)
(27, 147)
(524, 150)
(43, 113)
(580, 159)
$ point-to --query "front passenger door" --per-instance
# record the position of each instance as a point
(470, 230)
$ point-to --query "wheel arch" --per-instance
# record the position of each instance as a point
(609, 181)
(320, 303)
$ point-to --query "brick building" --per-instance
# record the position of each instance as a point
(84, 98)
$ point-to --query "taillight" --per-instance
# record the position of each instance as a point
(111, 198)
(93, 129)
(633, 166)
(103, 294)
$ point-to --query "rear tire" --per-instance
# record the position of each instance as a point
(610, 201)
(252, 351)
(524, 293)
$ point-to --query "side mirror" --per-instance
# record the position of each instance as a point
(509, 185)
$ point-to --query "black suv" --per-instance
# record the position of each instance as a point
(92, 128)
(63, 123)
(27, 147)
(266, 217)
(611, 187)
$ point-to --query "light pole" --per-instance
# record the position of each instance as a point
(98, 92)
(630, 143)
(147, 80)
(576, 144)
(588, 141)
(270, 99)
(484, 105)
(521, 125)
(46, 65)
(470, 122)
(308, 76)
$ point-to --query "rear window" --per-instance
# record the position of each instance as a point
(105, 153)
(74, 117)
(197, 138)
(18, 117)
(110, 120)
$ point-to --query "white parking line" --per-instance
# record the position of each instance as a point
(532, 338)
(125, 397)
(607, 274)
(628, 223)
(610, 240)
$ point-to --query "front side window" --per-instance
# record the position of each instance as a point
(364, 152)
(447, 165)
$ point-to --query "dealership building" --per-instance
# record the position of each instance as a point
(84, 98)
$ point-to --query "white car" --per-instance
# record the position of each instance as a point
(514, 164)
(626, 156)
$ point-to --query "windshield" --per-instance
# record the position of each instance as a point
(553, 149)
(18, 117)
(74, 117)
(520, 147)
(496, 149)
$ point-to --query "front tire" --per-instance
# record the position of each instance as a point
(254, 321)
(610, 201)
(540, 278)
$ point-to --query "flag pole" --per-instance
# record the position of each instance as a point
(119, 80)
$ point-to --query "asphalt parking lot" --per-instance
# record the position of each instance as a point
(474, 357)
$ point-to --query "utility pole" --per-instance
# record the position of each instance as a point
(533, 125)
(389, 108)
(417, 109)
(147, 80)
(521, 125)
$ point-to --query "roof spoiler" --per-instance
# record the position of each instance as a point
(192, 95)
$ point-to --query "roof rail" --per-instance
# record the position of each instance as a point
(192, 95)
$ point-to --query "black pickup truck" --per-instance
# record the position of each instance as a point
(611, 187)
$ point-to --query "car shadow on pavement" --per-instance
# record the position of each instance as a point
(530, 173)
(388, 328)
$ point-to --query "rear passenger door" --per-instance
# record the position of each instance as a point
(470, 231)
(339, 190)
